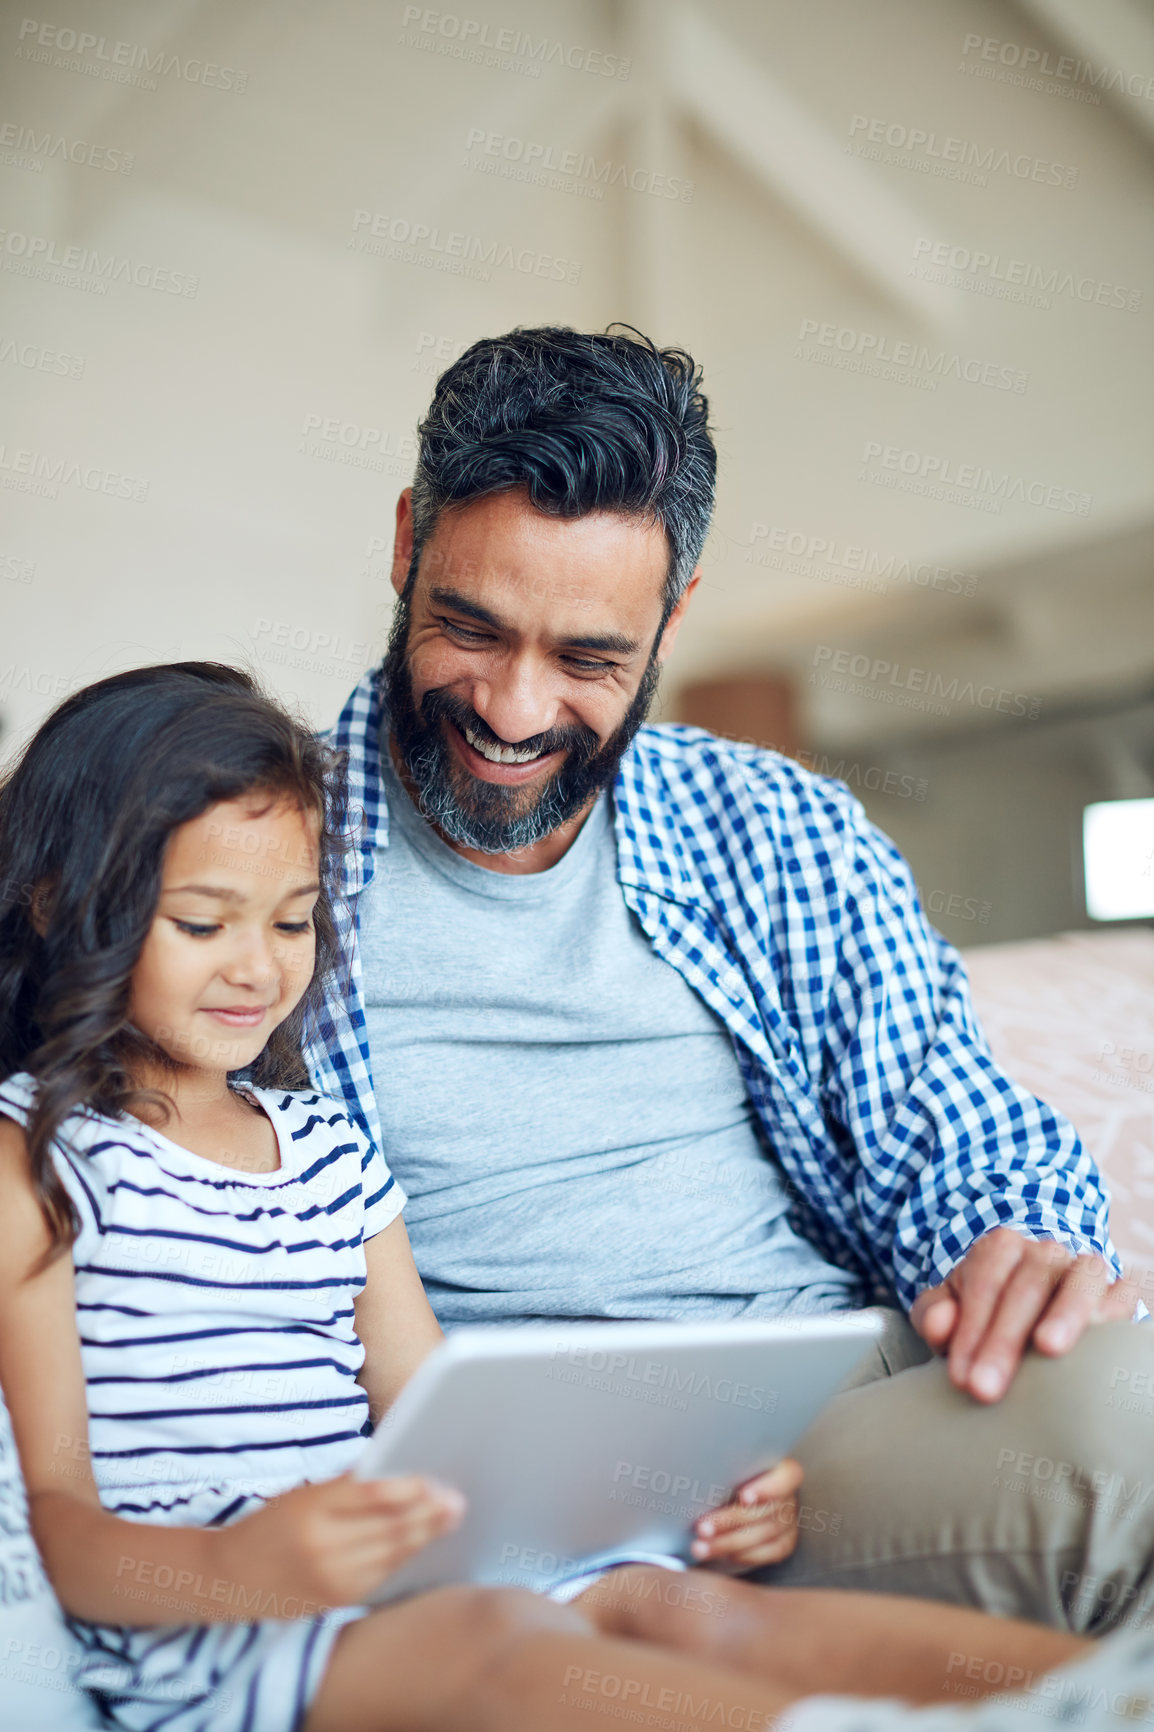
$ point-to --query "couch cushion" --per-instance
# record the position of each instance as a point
(1072, 1018)
(37, 1652)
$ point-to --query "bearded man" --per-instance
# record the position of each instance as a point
(651, 1024)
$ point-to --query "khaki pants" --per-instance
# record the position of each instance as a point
(1041, 1506)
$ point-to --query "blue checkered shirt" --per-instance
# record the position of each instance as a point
(798, 922)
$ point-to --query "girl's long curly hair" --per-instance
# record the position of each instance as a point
(85, 818)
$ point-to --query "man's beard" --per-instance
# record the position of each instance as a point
(489, 816)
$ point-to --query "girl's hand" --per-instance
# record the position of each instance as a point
(759, 1525)
(332, 1544)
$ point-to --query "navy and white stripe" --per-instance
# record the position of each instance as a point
(215, 1313)
(215, 1306)
(798, 923)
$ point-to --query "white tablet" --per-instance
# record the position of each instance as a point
(575, 1443)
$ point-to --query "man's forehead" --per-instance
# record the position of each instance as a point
(591, 571)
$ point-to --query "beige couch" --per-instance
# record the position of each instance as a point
(1072, 1018)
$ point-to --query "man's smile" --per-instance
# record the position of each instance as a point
(497, 762)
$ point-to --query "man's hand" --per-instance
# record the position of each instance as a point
(758, 1527)
(1009, 1293)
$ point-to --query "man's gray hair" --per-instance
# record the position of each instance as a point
(585, 422)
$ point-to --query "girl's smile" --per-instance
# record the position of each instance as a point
(240, 1016)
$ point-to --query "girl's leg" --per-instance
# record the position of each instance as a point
(499, 1660)
(805, 1640)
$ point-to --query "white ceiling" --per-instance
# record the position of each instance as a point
(253, 543)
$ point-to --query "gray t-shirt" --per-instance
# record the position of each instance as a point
(567, 1116)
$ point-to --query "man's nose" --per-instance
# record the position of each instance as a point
(518, 703)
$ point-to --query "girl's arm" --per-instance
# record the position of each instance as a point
(393, 1318)
(318, 1546)
(94, 1560)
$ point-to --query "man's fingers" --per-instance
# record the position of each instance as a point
(934, 1314)
(1008, 1293)
(1025, 1298)
(979, 1283)
(1119, 1300)
(1075, 1304)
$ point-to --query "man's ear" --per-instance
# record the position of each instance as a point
(673, 623)
(403, 541)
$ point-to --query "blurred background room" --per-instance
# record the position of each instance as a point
(912, 246)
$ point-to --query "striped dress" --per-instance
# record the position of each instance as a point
(215, 1311)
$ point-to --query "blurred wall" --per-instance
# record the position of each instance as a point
(910, 244)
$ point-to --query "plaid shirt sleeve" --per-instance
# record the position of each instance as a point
(336, 1044)
(947, 1146)
(778, 900)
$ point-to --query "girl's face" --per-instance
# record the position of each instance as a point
(231, 948)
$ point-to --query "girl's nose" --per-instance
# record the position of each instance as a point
(253, 962)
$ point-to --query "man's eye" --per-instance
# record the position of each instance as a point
(580, 665)
(194, 930)
(465, 633)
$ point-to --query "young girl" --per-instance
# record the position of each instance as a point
(206, 1291)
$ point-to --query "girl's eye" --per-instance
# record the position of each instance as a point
(196, 931)
(294, 925)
